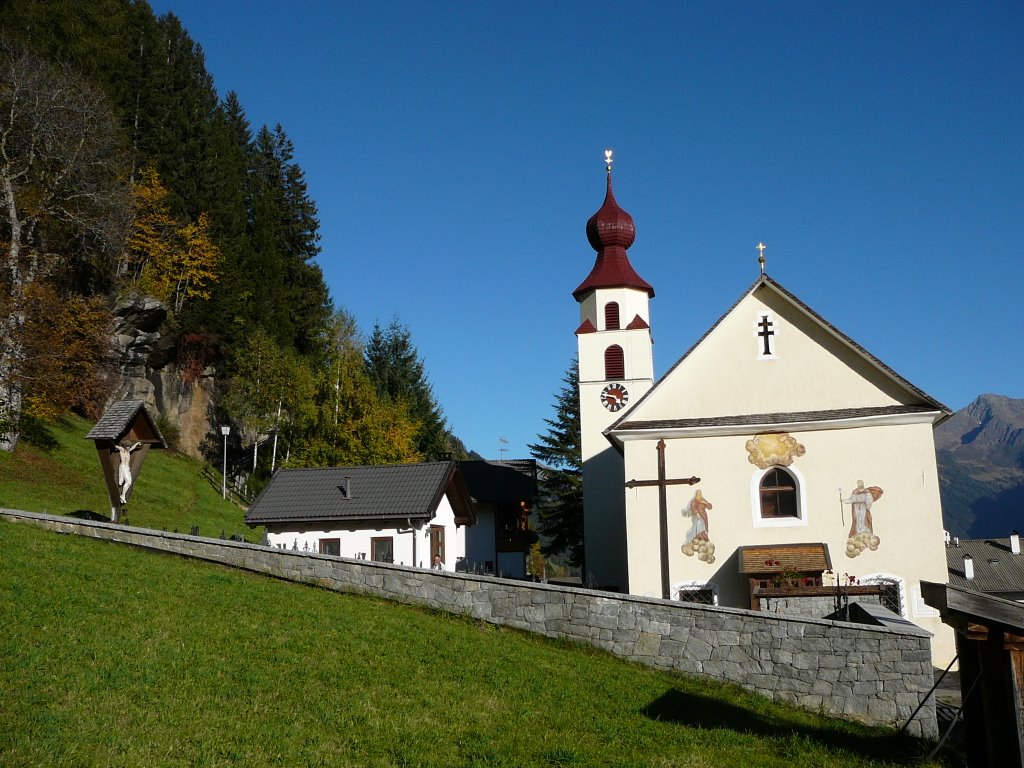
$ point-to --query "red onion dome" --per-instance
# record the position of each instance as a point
(610, 232)
(610, 226)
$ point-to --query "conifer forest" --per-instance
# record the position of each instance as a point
(124, 173)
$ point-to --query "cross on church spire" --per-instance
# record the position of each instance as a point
(608, 160)
(760, 256)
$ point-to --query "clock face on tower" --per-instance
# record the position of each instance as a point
(614, 397)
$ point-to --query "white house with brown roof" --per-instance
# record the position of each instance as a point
(774, 430)
(409, 514)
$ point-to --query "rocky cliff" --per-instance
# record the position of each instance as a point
(145, 360)
(980, 452)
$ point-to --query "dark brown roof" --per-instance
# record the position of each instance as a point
(117, 420)
(797, 417)
(506, 480)
(996, 569)
(798, 558)
(381, 492)
(765, 280)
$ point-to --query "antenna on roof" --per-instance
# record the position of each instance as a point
(502, 446)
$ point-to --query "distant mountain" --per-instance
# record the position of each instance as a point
(980, 451)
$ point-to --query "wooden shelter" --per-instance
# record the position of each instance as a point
(126, 425)
(990, 645)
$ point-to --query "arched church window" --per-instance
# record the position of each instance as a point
(611, 316)
(779, 494)
(614, 363)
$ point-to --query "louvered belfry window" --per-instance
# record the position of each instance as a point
(611, 316)
(614, 365)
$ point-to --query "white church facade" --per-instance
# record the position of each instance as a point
(775, 445)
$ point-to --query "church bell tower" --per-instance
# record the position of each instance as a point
(616, 361)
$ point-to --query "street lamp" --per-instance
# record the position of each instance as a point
(226, 430)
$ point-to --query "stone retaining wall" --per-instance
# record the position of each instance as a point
(875, 674)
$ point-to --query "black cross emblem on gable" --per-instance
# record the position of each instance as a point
(765, 332)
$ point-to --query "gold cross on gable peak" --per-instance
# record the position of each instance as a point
(760, 256)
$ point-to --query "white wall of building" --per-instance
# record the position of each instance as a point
(898, 458)
(356, 541)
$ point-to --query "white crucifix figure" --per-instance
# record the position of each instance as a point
(124, 470)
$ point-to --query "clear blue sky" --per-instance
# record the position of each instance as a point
(455, 153)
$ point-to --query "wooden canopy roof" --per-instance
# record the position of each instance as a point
(777, 558)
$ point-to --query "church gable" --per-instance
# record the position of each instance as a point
(771, 355)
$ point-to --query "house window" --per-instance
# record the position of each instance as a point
(330, 547)
(611, 316)
(614, 364)
(382, 549)
(436, 544)
(778, 494)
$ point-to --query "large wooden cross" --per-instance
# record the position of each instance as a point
(663, 483)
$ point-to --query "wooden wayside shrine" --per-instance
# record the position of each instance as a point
(990, 646)
(125, 432)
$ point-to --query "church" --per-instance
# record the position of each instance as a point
(775, 451)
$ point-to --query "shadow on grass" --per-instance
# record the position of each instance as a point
(697, 711)
(88, 514)
(36, 432)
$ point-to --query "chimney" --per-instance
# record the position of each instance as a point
(968, 567)
(346, 489)
(1015, 543)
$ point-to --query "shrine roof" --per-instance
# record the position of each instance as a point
(117, 420)
(379, 492)
(776, 558)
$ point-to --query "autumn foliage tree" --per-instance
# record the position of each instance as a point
(354, 424)
(164, 259)
(62, 201)
(67, 352)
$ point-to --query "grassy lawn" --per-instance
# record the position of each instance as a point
(119, 657)
(59, 472)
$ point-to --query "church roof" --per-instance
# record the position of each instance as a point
(776, 419)
(369, 492)
(611, 231)
(928, 404)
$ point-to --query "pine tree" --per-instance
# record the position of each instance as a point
(354, 424)
(560, 509)
(397, 371)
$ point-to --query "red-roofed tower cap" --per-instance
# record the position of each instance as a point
(610, 232)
